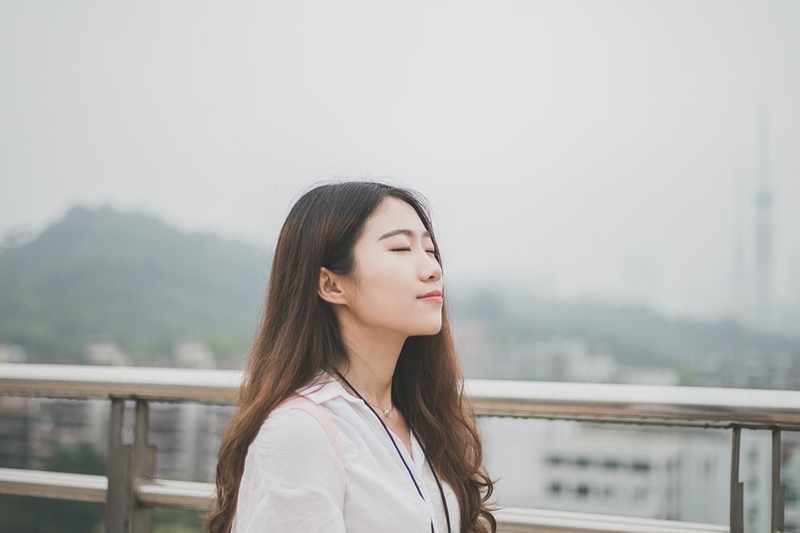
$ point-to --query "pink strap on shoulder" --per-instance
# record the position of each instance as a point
(319, 413)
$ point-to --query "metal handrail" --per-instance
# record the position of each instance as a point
(614, 403)
(217, 387)
(57, 485)
(675, 406)
(199, 496)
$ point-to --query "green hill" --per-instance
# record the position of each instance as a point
(634, 334)
(99, 274)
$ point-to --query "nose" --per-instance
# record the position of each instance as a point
(430, 269)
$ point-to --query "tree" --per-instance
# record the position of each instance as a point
(22, 514)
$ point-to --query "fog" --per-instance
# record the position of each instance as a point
(603, 150)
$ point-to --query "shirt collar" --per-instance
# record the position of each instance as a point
(325, 387)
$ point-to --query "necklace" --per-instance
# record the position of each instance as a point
(389, 434)
(386, 412)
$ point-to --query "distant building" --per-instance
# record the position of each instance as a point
(14, 418)
(576, 360)
(566, 359)
(790, 471)
(106, 354)
(32, 429)
(12, 353)
(55, 424)
(187, 436)
(15, 422)
(634, 476)
(664, 473)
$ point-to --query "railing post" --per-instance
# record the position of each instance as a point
(778, 490)
(126, 467)
(119, 462)
(737, 487)
(144, 467)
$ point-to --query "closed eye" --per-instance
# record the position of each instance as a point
(400, 249)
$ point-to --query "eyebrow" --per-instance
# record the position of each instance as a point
(406, 232)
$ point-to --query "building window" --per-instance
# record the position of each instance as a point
(640, 494)
(554, 460)
(752, 455)
(555, 489)
(709, 467)
(610, 464)
(752, 516)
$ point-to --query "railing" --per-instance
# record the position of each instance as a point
(131, 492)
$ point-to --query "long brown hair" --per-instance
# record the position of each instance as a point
(299, 336)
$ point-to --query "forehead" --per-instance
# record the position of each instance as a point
(393, 214)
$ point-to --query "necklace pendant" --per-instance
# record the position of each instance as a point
(386, 412)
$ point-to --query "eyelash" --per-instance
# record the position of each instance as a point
(409, 249)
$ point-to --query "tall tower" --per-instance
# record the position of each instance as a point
(740, 300)
(763, 233)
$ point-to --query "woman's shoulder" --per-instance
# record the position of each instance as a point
(302, 420)
(291, 452)
(292, 421)
(291, 431)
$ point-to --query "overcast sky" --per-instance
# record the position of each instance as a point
(580, 149)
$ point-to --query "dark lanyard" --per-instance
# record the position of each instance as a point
(399, 454)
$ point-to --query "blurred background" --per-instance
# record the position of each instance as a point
(615, 184)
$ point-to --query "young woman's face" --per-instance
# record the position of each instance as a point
(396, 285)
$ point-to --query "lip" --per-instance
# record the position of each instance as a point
(434, 296)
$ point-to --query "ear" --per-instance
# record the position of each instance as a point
(330, 287)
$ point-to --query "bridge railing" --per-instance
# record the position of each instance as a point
(130, 490)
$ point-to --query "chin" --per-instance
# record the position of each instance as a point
(428, 331)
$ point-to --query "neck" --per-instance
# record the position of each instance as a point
(370, 369)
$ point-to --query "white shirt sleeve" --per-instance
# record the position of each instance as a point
(293, 481)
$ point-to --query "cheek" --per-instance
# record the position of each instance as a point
(381, 274)
(384, 295)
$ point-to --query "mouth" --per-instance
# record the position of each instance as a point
(433, 296)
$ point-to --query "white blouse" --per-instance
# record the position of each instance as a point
(294, 481)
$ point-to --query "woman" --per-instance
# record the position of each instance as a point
(352, 416)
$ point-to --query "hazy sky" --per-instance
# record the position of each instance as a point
(583, 149)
